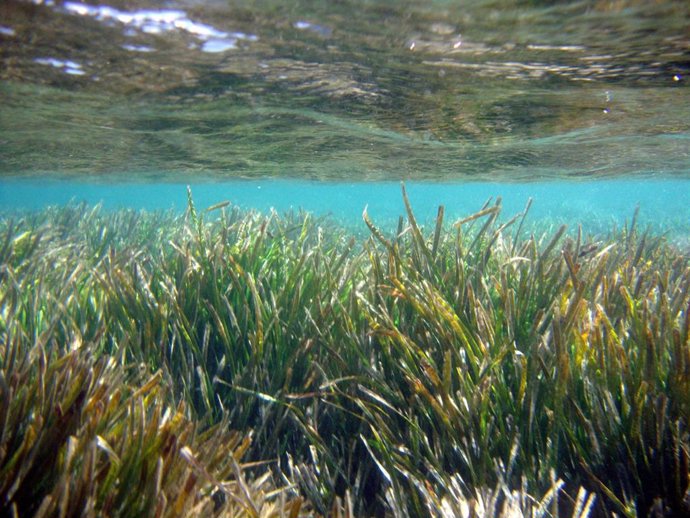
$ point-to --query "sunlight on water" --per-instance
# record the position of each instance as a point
(151, 21)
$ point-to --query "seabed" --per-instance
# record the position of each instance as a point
(224, 362)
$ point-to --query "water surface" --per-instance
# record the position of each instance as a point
(353, 90)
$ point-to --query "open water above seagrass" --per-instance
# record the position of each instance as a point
(598, 206)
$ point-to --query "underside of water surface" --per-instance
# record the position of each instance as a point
(486, 90)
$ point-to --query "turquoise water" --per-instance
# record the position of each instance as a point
(327, 106)
(596, 206)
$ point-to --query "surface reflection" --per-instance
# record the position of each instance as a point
(355, 90)
(151, 21)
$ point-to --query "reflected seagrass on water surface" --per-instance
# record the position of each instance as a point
(344, 90)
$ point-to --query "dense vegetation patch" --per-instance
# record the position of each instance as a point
(258, 364)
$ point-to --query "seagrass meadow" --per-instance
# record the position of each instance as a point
(233, 363)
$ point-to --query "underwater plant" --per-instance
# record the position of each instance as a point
(225, 362)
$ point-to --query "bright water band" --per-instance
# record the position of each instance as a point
(597, 205)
